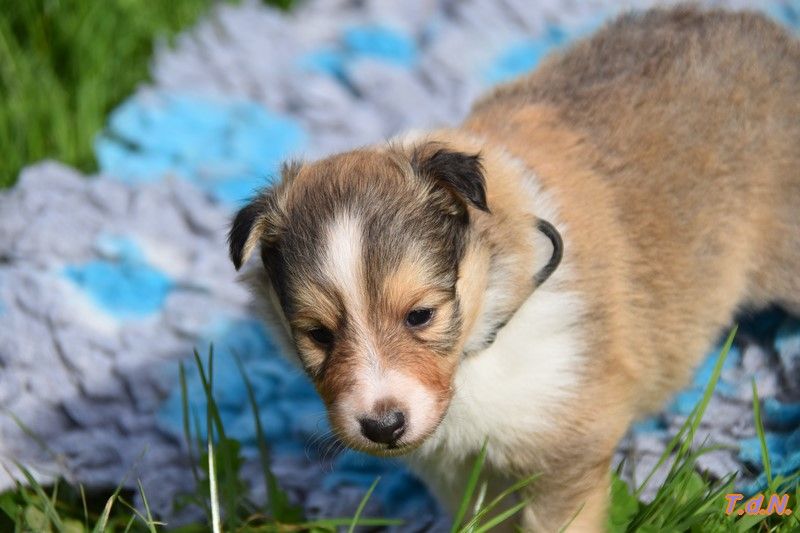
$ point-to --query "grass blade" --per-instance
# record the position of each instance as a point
(212, 412)
(522, 483)
(102, 522)
(480, 498)
(362, 504)
(700, 409)
(216, 526)
(229, 488)
(762, 437)
(469, 490)
(334, 523)
(150, 523)
(49, 509)
(502, 517)
(187, 428)
(278, 501)
(130, 523)
(85, 509)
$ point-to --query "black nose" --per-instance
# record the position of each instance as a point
(384, 430)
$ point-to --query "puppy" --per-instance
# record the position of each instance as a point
(551, 269)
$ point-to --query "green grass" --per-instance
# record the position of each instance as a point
(64, 64)
(685, 502)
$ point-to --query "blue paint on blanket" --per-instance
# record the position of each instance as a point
(784, 457)
(522, 57)
(686, 400)
(119, 248)
(649, 425)
(122, 283)
(518, 60)
(786, 13)
(381, 42)
(779, 415)
(227, 148)
(370, 41)
(291, 412)
(327, 61)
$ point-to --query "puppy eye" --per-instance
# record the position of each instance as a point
(322, 336)
(419, 317)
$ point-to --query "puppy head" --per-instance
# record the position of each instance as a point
(362, 251)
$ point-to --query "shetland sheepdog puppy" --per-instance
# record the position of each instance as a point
(551, 269)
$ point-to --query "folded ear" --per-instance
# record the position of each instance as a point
(249, 225)
(261, 220)
(461, 174)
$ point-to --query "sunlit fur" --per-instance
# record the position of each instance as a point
(663, 150)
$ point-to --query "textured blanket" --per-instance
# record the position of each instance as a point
(108, 281)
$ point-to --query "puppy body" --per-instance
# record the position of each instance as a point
(553, 392)
(665, 152)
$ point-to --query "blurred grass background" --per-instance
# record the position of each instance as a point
(64, 64)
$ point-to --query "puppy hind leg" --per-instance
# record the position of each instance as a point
(777, 280)
(774, 253)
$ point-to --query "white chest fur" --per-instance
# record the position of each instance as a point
(509, 392)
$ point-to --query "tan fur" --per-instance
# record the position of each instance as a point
(679, 176)
(669, 144)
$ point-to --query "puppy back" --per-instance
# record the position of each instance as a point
(670, 139)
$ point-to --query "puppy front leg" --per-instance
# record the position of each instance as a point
(581, 506)
(447, 478)
(593, 513)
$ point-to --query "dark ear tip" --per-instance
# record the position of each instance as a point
(479, 200)
(234, 252)
(481, 204)
(239, 233)
(461, 173)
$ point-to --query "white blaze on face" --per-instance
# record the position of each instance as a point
(344, 261)
(345, 269)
